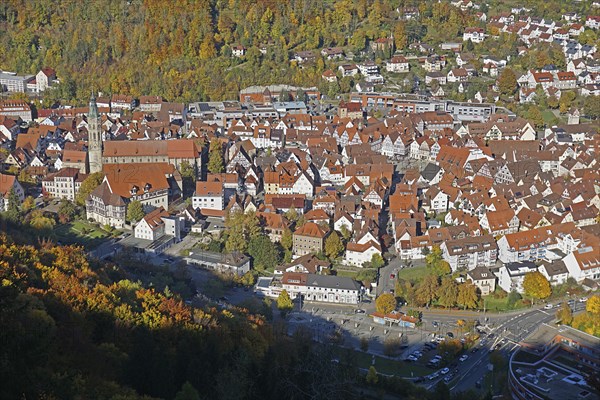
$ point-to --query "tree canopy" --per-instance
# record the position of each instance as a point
(536, 286)
(385, 303)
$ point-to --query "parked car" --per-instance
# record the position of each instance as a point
(444, 371)
(450, 334)
(475, 350)
(548, 306)
(583, 299)
(392, 276)
(359, 311)
(448, 378)
(463, 357)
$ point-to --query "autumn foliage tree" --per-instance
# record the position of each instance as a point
(333, 245)
(507, 82)
(385, 303)
(215, 157)
(536, 286)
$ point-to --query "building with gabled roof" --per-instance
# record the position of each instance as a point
(310, 238)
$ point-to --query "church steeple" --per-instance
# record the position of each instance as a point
(94, 137)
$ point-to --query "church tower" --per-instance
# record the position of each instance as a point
(94, 138)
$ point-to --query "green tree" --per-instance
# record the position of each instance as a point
(215, 157)
(284, 302)
(512, 299)
(469, 46)
(13, 213)
(241, 228)
(66, 211)
(535, 116)
(287, 239)
(448, 292)
(333, 246)
(346, 233)
(436, 263)
(372, 377)
(187, 392)
(467, 295)
(427, 291)
(536, 286)
(507, 82)
(591, 107)
(377, 261)
(135, 211)
(385, 303)
(87, 186)
(264, 253)
(187, 170)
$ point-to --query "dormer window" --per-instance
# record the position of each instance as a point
(147, 187)
(134, 190)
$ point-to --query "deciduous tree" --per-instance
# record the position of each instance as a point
(427, 291)
(536, 286)
(284, 302)
(333, 246)
(135, 211)
(377, 261)
(215, 157)
(264, 253)
(467, 295)
(593, 305)
(448, 292)
(385, 303)
(564, 314)
(507, 82)
(87, 186)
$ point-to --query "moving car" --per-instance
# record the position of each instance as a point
(463, 357)
(359, 311)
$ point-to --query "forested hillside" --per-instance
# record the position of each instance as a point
(181, 49)
(71, 329)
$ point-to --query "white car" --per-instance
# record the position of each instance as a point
(548, 306)
(463, 357)
(583, 299)
(444, 371)
(411, 358)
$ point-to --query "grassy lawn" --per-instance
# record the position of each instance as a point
(346, 273)
(81, 233)
(494, 304)
(382, 365)
(413, 274)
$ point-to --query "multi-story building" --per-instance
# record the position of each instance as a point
(321, 288)
(511, 275)
(175, 152)
(63, 184)
(12, 82)
(209, 195)
(470, 252)
(483, 279)
(309, 238)
(16, 109)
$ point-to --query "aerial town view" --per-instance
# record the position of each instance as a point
(299, 199)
